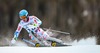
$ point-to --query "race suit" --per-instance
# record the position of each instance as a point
(32, 24)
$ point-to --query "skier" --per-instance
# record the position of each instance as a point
(30, 23)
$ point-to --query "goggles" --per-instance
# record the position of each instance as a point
(22, 17)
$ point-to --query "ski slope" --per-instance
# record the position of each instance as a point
(83, 46)
(69, 49)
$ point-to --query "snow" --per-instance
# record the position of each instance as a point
(83, 46)
(87, 41)
(68, 49)
(20, 43)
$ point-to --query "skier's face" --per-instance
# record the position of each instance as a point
(23, 17)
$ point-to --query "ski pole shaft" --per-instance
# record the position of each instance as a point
(58, 31)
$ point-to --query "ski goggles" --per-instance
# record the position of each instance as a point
(22, 17)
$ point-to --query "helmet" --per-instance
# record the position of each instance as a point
(23, 14)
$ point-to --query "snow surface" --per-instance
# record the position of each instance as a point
(87, 41)
(68, 49)
(83, 46)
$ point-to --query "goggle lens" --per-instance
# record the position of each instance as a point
(23, 17)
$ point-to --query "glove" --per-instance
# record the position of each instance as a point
(13, 41)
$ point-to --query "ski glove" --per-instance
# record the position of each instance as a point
(13, 41)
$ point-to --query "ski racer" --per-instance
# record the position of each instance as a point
(30, 23)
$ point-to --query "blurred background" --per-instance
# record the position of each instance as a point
(81, 18)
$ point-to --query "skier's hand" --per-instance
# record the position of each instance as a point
(13, 41)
